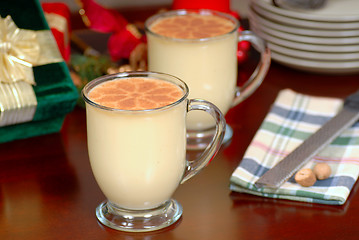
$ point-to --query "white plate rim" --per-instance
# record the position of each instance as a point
(316, 66)
(314, 55)
(305, 23)
(308, 39)
(298, 30)
(307, 47)
(302, 15)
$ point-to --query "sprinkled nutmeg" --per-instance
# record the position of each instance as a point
(322, 171)
(305, 177)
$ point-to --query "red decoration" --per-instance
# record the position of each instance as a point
(58, 18)
(124, 38)
(218, 5)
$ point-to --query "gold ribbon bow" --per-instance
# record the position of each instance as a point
(20, 50)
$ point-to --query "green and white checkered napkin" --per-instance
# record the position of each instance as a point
(293, 118)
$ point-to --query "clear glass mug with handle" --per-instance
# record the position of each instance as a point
(138, 155)
(200, 47)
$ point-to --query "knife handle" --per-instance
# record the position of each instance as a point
(352, 102)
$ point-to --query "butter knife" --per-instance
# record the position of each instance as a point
(294, 161)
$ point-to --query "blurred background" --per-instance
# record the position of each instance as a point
(240, 6)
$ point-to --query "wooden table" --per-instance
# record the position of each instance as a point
(47, 190)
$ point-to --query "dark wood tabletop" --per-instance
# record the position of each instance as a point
(47, 190)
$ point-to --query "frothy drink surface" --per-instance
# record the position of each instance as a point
(192, 26)
(135, 93)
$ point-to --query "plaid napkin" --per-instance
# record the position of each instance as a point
(293, 118)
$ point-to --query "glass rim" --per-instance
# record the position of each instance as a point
(181, 12)
(138, 74)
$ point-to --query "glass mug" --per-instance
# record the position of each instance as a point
(138, 157)
(208, 64)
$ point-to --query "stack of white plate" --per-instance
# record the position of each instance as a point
(323, 41)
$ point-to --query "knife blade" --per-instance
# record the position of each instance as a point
(284, 169)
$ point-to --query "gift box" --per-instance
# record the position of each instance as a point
(36, 90)
(58, 18)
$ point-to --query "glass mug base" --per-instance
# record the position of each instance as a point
(139, 220)
(199, 140)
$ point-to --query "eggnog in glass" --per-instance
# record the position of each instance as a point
(200, 47)
(136, 127)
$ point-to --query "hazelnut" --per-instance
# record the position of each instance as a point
(322, 171)
(305, 177)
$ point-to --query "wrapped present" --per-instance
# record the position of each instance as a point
(58, 17)
(36, 90)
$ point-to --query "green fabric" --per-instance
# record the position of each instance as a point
(31, 129)
(26, 14)
(291, 120)
(55, 92)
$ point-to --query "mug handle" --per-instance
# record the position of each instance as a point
(261, 70)
(193, 167)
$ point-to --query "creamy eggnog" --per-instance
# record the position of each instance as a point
(137, 140)
(136, 136)
(201, 50)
